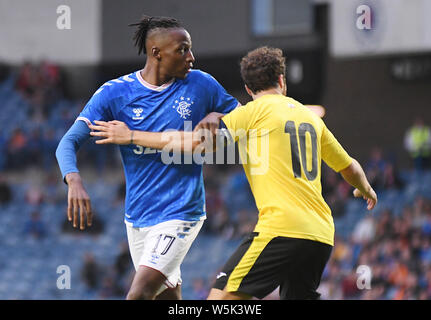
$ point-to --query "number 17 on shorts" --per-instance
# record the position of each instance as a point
(163, 246)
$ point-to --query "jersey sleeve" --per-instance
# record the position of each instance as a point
(98, 107)
(69, 145)
(333, 153)
(236, 123)
(221, 101)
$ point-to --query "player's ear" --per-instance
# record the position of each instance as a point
(282, 83)
(155, 52)
(250, 93)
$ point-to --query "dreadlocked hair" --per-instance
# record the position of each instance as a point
(147, 24)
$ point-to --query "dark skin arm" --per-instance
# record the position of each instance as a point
(117, 132)
(78, 202)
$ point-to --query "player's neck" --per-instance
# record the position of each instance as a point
(266, 92)
(151, 75)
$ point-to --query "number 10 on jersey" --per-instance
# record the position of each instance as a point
(299, 152)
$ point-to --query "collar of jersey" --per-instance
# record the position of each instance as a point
(151, 86)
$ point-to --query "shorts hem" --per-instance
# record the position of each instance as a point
(131, 224)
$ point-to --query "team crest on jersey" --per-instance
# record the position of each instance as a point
(183, 107)
(138, 114)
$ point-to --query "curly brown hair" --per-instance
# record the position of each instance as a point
(261, 67)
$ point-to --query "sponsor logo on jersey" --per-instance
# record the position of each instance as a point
(138, 114)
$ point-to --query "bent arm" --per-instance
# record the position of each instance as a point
(66, 151)
(355, 176)
(78, 201)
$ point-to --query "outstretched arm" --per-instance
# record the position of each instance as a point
(78, 201)
(355, 176)
(118, 132)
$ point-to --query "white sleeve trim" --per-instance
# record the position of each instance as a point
(88, 122)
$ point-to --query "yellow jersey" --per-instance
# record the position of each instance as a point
(281, 144)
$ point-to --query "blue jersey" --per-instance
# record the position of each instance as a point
(155, 191)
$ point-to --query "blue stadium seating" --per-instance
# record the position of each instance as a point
(28, 266)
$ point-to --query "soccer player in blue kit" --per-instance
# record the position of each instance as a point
(165, 203)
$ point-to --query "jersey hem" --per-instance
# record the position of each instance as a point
(146, 225)
(297, 235)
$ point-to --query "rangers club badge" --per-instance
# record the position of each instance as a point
(182, 106)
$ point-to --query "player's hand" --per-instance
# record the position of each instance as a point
(370, 197)
(207, 128)
(78, 202)
(115, 132)
(211, 122)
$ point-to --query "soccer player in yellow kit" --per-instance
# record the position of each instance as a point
(294, 235)
(281, 144)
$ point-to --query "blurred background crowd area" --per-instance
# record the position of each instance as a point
(394, 240)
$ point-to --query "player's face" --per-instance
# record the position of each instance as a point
(177, 57)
